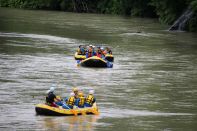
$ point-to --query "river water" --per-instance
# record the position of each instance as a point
(152, 86)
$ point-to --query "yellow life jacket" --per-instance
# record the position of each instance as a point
(79, 51)
(89, 99)
(71, 101)
(81, 101)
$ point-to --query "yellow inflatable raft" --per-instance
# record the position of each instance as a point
(79, 57)
(109, 57)
(43, 109)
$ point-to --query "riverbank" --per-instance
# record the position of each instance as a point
(166, 11)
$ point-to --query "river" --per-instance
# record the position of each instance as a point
(152, 86)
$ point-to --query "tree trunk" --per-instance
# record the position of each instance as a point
(180, 23)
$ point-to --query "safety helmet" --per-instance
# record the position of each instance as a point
(47, 91)
(52, 89)
(90, 45)
(102, 48)
(80, 94)
(91, 92)
(72, 94)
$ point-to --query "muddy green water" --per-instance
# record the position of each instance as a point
(152, 86)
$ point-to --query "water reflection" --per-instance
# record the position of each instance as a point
(70, 123)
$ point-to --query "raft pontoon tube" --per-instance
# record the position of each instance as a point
(108, 57)
(79, 57)
(95, 61)
(44, 109)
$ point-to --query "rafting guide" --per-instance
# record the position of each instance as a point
(51, 97)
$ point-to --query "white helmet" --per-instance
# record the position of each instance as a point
(47, 91)
(91, 92)
(72, 94)
(52, 89)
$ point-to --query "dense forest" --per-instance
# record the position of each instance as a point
(167, 11)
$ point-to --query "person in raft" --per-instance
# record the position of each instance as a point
(90, 99)
(76, 91)
(100, 52)
(81, 100)
(108, 51)
(81, 50)
(90, 52)
(51, 98)
(70, 102)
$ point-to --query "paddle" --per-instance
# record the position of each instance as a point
(94, 111)
(74, 112)
(78, 63)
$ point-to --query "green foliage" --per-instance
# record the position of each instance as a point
(31, 4)
(3, 3)
(109, 6)
(142, 8)
(127, 7)
(192, 24)
(194, 5)
(169, 10)
(166, 10)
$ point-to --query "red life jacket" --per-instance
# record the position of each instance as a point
(89, 54)
(98, 55)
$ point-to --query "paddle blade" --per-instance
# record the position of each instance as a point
(94, 111)
(74, 112)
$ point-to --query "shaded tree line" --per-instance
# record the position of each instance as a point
(166, 10)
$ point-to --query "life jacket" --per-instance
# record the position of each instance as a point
(89, 99)
(90, 52)
(79, 51)
(99, 55)
(81, 101)
(71, 101)
(105, 52)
